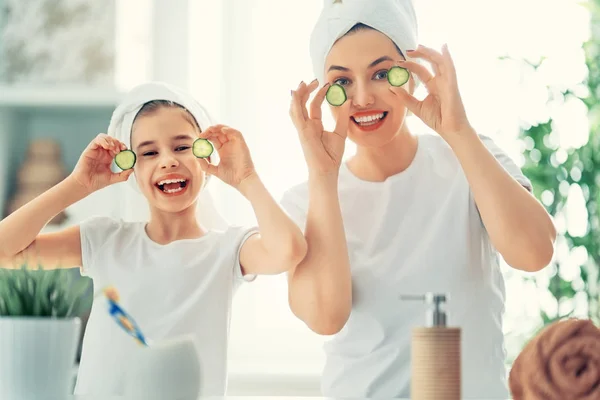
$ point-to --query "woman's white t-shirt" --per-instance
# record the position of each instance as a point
(184, 288)
(418, 231)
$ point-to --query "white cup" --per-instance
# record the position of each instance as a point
(164, 370)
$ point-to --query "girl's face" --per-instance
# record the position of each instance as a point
(359, 62)
(166, 170)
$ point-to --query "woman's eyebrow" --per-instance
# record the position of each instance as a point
(379, 61)
(374, 63)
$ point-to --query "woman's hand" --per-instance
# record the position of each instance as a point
(442, 110)
(323, 150)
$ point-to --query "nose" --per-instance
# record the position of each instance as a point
(363, 95)
(168, 161)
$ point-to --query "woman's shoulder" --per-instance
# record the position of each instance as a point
(434, 143)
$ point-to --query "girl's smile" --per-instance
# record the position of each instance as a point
(172, 185)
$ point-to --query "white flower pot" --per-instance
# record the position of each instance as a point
(37, 357)
(164, 370)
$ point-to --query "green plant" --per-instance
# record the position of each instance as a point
(27, 292)
(554, 172)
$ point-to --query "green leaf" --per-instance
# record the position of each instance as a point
(561, 288)
(43, 293)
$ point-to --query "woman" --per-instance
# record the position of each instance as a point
(406, 214)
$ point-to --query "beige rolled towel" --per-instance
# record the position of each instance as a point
(561, 363)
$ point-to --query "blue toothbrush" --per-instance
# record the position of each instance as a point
(124, 320)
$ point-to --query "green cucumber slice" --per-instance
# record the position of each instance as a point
(397, 76)
(336, 95)
(125, 159)
(202, 148)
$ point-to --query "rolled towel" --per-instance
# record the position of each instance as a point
(562, 362)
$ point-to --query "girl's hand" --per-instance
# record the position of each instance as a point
(442, 110)
(323, 150)
(93, 171)
(235, 165)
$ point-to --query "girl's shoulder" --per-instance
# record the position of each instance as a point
(100, 223)
(101, 229)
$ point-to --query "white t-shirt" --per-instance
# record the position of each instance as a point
(184, 288)
(418, 231)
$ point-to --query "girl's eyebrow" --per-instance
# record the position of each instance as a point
(151, 142)
(146, 143)
(182, 137)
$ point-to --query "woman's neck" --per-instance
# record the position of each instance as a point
(166, 227)
(376, 164)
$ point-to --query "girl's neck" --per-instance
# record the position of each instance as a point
(376, 164)
(166, 227)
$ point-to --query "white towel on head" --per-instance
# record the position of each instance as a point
(133, 206)
(394, 18)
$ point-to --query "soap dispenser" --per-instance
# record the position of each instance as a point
(435, 354)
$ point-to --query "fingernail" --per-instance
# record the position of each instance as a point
(313, 81)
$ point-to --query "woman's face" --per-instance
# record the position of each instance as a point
(166, 170)
(359, 62)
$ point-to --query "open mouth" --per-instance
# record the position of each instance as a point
(172, 186)
(369, 122)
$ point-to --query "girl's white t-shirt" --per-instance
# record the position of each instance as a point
(181, 289)
(418, 231)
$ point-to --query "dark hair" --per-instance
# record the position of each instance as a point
(363, 27)
(152, 106)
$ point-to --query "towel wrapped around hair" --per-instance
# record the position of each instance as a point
(394, 18)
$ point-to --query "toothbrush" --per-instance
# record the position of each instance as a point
(124, 320)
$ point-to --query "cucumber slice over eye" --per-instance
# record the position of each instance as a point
(202, 148)
(125, 159)
(336, 95)
(397, 76)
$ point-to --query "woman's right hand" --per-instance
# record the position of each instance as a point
(323, 150)
(93, 171)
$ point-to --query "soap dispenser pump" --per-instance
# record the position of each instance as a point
(435, 353)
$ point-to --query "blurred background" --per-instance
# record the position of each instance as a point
(528, 72)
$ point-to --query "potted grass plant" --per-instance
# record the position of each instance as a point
(40, 329)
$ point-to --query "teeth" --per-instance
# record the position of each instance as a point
(179, 189)
(164, 182)
(368, 118)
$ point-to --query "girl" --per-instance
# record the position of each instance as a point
(407, 214)
(174, 276)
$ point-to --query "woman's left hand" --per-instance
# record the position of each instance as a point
(442, 110)
(235, 164)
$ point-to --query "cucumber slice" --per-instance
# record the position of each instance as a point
(397, 76)
(202, 148)
(125, 159)
(336, 95)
